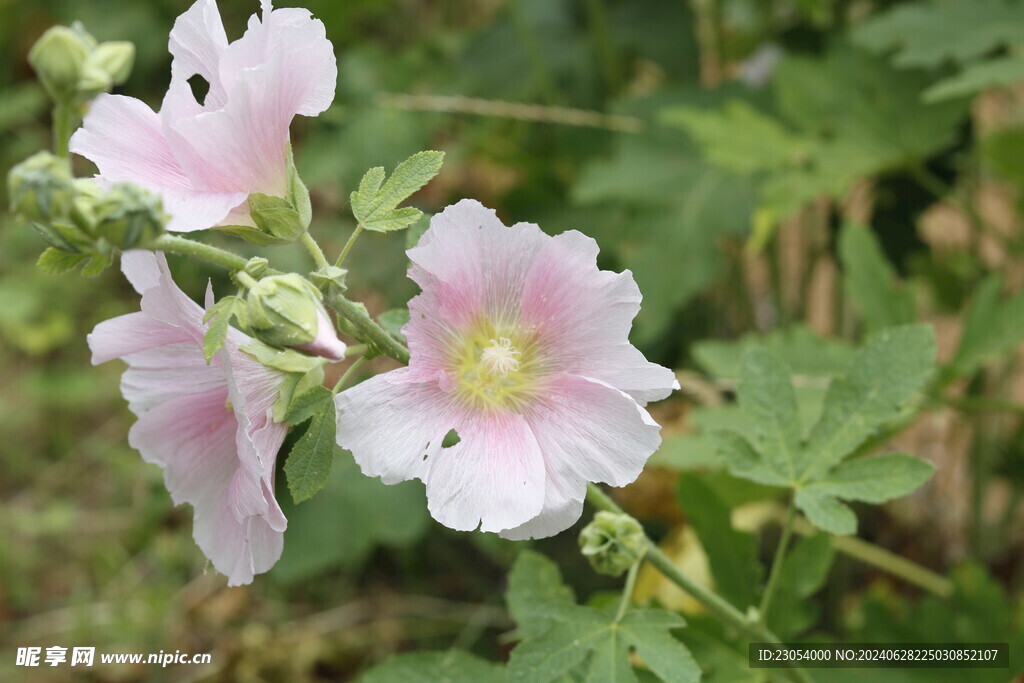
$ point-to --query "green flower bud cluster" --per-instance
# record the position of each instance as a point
(76, 216)
(285, 310)
(72, 66)
(613, 542)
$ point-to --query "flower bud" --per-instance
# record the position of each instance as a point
(108, 65)
(41, 187)
(613, 542)
(115, 58)
(285, 310)
(128, 216)
(58, 58)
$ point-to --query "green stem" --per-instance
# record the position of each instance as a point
(365, 328)
(348, 245)
(243, 278)
(314, 249)
(780, 555)
(62, 116)
(348, 373)
(627, 590)
(886, 560)
(356, 350)
(722, 609)
(205, 252)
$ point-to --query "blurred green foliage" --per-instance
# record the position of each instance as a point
(789, 174)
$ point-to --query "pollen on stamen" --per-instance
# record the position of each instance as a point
(500, 358)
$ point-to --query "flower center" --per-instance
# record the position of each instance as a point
(495, 370)
(500, 358)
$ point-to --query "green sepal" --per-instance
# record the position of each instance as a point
(285, 360)
(220, 314)
(254, 235)
(63, 236)
(276, 216)
(291, 397)
(328, 275)
(298, 193)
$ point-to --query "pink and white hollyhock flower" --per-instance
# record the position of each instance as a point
(520, 344)
(209, 427)
(205, 158)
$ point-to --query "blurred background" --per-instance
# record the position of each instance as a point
(792, 172)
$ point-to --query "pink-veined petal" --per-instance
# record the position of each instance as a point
(193, 439)
(485, 275)
(563, 507)
(165, 372)
(128, 334)
(309, 72)
(393, 423)
(590, 431)
(493, 478)
(197, 43)
(124, 138)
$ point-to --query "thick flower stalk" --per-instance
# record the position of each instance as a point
(520, 344)
(204, 158)
(210, 427)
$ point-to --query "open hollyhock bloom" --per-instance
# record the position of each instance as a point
(205, 158)
(210, 427)
(520, 344)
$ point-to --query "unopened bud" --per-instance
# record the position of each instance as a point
(285, 310)
(128, 216)
(115, 58)
(613, 542)
(58, 58)
(41, 188)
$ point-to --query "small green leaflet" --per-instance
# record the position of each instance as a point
(740, 138)
(1002, 72)
(560, 636)
(885, 376)
(842, 117)
(930, 33)
(375, 207)
(871, 282)
(453, 666)
(219, 316)
(992, 326)
(802, 349)
(309, 462)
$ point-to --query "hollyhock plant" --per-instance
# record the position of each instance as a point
(204, 158)
(518, 343)
(209, 427)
